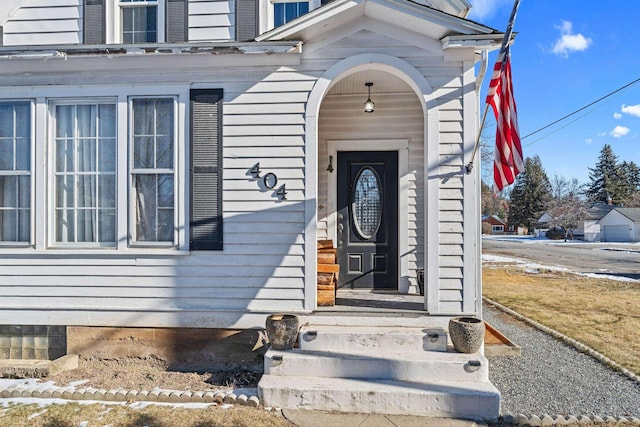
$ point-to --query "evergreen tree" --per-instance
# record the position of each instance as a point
(530, 195)
(607, 179)
(631, 173)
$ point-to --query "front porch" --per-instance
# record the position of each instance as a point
(378, 352)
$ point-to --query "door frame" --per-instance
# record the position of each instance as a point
(402, 147)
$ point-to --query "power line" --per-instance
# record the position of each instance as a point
(581, 109)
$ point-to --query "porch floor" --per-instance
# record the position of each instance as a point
(381, 302)
(371, 304)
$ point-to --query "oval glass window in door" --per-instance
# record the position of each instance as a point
(366, 204)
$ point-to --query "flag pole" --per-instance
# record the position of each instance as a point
(505, 41)
(469, 166)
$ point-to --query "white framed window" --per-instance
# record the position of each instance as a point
(15, 172)
(498, 228)
(138, 21)
(285, 11)
(83, 181)
(152, 170)
(278, 12)
(112, 170)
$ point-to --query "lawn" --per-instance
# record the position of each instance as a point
(112, 415)
(601, 313)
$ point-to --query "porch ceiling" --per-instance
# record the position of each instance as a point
(383, 82)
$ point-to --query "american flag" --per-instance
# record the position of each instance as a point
(508, 161)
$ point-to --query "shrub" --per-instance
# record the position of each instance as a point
(556, 233)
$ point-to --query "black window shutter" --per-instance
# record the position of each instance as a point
(93, 21)
(246, 20)
(177, 21)
(206, 170)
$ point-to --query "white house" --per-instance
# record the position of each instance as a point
(621, 225)
(588, 228)
(173, 163)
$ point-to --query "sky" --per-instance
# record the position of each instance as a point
(566, 55)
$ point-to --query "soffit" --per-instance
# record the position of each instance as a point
(383, 83)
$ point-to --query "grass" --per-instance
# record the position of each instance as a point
(90, 415)
(603, 314)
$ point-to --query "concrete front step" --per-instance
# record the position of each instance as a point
(478, 401)
(339, 338)
(395, 363)
(358, 319)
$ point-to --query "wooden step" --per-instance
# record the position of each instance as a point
(325, 244)
(326, 258)
(328, 270)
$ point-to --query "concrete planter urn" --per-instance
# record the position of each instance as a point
(282, 330)
(467, 333)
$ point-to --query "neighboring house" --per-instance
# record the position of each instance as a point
(173, 163)
(621, 225)
(588, 228)
(497, 226)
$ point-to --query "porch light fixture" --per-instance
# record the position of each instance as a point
(330, 167)
(368, 105)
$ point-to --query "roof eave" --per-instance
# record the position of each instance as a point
(221, 48)
(488, 42)
(373, 9)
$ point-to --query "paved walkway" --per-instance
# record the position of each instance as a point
(328, 419)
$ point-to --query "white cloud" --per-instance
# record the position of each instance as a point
(602, 134)
(483, 9)
(634, 110)
(588, 140)
(617, 115)
(569, 42)
(619, 131)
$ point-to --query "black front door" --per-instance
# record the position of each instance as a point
(367, 234)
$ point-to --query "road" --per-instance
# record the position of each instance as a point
(617, 260)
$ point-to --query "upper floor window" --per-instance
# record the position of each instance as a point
(134, 21)
(15, 172)
(274, 13)
(285, 11)
(140, 21)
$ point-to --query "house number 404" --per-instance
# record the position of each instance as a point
(270, 180)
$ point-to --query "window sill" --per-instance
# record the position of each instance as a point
(92, 252)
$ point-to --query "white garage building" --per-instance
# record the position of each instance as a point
(621, 225)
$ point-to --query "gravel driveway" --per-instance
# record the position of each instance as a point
(553, 378)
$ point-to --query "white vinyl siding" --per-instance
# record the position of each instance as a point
(261, 268)
(445, 79)
(59, 22)
(211, 20)
(45, 22)
(263, 265)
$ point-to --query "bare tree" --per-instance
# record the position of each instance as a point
(633, 200)
(566, 213)
(562, 187)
